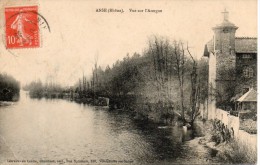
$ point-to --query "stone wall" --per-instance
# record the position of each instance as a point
(232, 122)
(246, 140)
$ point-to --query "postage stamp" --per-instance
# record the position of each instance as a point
(22, 27)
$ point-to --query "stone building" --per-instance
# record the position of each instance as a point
(232, 64)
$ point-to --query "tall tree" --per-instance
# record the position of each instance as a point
(194, 96)
(180, 61)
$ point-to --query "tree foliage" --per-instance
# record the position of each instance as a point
(160, 75)
(37, 89)
(9, 88)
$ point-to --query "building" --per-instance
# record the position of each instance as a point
(247, 102)
(232, 65)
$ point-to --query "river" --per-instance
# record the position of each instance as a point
(45, 129)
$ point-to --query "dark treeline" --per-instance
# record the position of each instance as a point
(161, 83)
(9, 88)
(37, 89)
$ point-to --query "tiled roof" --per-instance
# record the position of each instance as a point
(250, 96)
(246, 45)
(242, 45)
(209, 47)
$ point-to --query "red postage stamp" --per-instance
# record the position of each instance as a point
(22, 28)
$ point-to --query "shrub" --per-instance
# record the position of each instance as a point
(241, 154)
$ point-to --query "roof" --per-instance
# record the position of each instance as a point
(250, 96)
(246, 45)
(225, 23)
(209, 47)
(242, 45)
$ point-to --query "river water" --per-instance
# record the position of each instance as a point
(53, 130)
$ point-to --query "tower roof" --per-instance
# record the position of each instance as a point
(242, 44)
(225, 22)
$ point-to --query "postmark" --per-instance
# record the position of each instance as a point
(22, 27)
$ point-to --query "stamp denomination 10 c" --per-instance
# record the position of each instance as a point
(22, 27)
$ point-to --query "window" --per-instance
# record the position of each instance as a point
(246, 56)
(225, 30)
(247, 72)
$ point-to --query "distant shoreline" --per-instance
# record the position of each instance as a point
(6, 103)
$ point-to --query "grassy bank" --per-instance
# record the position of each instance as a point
(230, 151)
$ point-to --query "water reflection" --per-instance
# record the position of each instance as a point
(59, 129)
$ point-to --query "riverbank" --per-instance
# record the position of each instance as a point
(199, 146)
(6, 103)
(199, 152)
(226, 152)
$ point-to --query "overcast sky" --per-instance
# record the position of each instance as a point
(79, 34)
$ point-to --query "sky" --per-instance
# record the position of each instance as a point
(79, 35)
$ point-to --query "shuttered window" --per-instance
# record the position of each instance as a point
(247, 72)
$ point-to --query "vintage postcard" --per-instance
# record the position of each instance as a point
(128, 82)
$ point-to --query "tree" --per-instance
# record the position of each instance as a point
(227, 87)
(165, 74)
(195, 89)
(180, 61)
(9, 88)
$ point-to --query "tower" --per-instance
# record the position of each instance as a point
(224, 48)
(222, 61)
